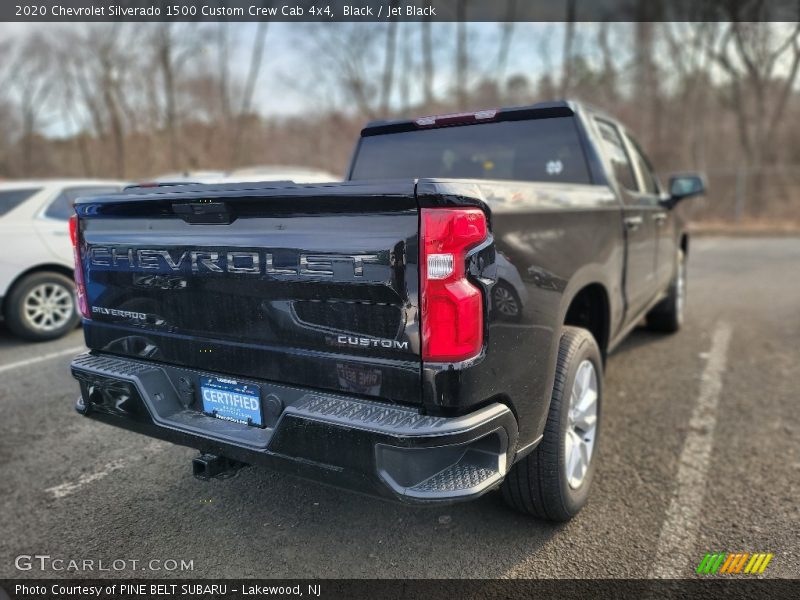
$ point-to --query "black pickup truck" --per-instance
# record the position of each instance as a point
(428, 330)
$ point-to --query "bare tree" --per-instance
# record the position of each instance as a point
(388, 63)
(427, 62)
(256, 58)
(506, 33)
(223, 69)
(8, 116)
(462, 58)
(349, 57)
(69, 113)
(109, 89)
(609, 73)
(173, 45)
(761, 66)
(406, 72)
(689, 63)
(164, 51)
(30, 80)
(569, 41)
(6, 66)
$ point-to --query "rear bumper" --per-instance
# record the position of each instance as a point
(363, 445)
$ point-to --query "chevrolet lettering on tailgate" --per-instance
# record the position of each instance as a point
(239, 261)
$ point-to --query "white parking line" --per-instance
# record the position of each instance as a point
(70, 487)
(65, 489)
(679, 529)
(37, 359)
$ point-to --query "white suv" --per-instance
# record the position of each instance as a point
(37, 294)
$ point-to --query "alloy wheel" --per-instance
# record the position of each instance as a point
(48, 306)
(582, 424)
(505, 302)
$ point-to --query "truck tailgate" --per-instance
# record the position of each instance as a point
(309, 285)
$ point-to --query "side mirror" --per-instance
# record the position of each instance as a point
(685, 186)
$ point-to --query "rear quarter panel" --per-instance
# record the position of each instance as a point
(556, 239)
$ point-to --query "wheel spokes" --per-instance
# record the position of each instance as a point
(573, 457)
(582, 423)
(48, 306)
(585, 413)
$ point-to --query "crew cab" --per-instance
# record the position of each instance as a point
(433, 328)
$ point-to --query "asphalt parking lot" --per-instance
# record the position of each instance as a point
(700, 451)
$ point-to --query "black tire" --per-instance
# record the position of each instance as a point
(506, 305)
(63, 317)
(538, 484)
(667, 315)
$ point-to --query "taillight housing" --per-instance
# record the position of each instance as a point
(452, 307)
(80, 283)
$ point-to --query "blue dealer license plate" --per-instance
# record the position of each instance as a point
(231, 400)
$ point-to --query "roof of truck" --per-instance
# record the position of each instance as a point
(540, 110)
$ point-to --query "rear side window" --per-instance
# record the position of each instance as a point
(11, 199)
(648, 177)
(64, 204)
(620, 162)
(532, 150)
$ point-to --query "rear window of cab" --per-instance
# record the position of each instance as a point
(542, 150)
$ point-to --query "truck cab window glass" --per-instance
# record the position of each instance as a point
(536, 150)
(62, 207)
(649, 179)
(13, 198)
(620, 162)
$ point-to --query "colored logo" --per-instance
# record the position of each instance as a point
(731, 563)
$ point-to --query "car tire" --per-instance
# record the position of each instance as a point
(549, 483)
(505, 302)
(667, 315)
(42, 306)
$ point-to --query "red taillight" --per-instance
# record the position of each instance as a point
(73, 231)
(80, 285)
(456, 118)
(452, 307)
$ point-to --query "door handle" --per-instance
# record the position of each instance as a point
(660, 218)
(633, 223)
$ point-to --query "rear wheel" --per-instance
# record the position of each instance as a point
(553, 481)
(505, 302)
(667, 315)
(42, 307)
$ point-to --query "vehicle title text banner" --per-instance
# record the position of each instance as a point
(397, 10)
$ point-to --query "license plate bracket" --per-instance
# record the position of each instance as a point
(231, 400)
